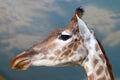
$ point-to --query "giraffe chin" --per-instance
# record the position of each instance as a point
(21, 63)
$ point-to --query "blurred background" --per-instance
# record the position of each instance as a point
(24, 23)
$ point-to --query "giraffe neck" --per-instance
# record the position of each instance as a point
(96, 63)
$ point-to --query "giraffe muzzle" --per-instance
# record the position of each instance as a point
(21, 63)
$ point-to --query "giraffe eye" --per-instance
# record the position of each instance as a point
(65, 37)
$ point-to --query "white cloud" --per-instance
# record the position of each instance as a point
(21, 10)
(113, 39)
(21, 41)
(100, 19)
(72, 0)
(18, 13)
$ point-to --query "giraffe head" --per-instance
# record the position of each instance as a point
(60, 48)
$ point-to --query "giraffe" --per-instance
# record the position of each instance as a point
(74, 45)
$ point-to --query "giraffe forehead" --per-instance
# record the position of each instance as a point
(54, 34)
(50, 38)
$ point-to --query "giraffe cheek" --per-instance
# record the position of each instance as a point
(82, 53)
(66, 53)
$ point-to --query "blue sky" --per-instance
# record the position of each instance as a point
(27, 22)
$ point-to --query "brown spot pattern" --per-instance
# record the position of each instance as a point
(95, 61)
(64, 48)
(51, 45)
(96, 47)
(66, 53)
(57, 52)
(102, 78)
(109, 67)
(79, 42)
(75, 47)
(102, 57)
(87, 59)
(99, 70)
(71, 45)
(71, 53)
(51, 58)
(91, 77)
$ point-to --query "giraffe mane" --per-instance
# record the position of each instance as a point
(106, 58)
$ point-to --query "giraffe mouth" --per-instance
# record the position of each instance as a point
(21, 63)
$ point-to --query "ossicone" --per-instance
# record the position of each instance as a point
(79, 11)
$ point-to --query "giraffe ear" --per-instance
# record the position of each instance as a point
(83, 29)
